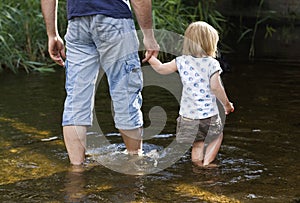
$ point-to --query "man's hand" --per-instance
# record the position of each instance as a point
(150, 44)
(143, 13)
(151, 47)
(56, 49)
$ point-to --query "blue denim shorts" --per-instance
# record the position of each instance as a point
(95, 42)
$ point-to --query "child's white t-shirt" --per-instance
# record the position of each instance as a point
(197, 101)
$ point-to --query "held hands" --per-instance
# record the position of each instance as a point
(152, 48)
(229, 108)
(152, 59)
(148, 55)
(56, 50)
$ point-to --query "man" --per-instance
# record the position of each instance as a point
(100, 33)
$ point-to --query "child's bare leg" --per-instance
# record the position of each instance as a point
(198, 153)
(212, 150)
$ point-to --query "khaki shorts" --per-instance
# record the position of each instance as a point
(191, 130)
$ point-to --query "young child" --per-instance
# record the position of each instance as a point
(199, 121)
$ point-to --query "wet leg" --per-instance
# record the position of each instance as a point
(75, 141)
(132, 140)
(198, 153)
(212, 150)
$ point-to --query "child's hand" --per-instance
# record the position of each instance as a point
(148, 55)
(229, 108)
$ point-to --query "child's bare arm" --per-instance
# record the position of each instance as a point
(162, 68)
(218, 89)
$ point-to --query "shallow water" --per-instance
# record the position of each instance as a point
(258, 160)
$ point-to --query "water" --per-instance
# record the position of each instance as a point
(258, 160)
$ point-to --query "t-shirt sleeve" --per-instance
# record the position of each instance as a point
(179, 61)
(214, 67)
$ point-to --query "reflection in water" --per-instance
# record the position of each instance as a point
(258, 160)
(74, 184)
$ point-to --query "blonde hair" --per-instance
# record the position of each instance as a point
(200, 39)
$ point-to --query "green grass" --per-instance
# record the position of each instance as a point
(23, 36)
(176, 15)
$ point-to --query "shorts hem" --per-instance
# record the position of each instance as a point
(128, 128)
(77, 124)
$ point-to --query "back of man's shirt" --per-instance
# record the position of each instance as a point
(111, 8)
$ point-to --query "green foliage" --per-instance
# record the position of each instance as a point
(176, 15)
(22, 36)
(23, 39)
(252, 31)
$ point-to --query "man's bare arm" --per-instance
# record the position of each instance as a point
(143, 13)
(56, 47)
(49, 10)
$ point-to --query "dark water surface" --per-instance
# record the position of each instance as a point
(258, 161)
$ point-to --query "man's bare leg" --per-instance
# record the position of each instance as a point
(212, 150)
(75, 141)
(132, 140)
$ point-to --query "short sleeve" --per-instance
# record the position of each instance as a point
(179, 63)
(214, 67)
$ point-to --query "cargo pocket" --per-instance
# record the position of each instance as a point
(134, 86)
(135, 77)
